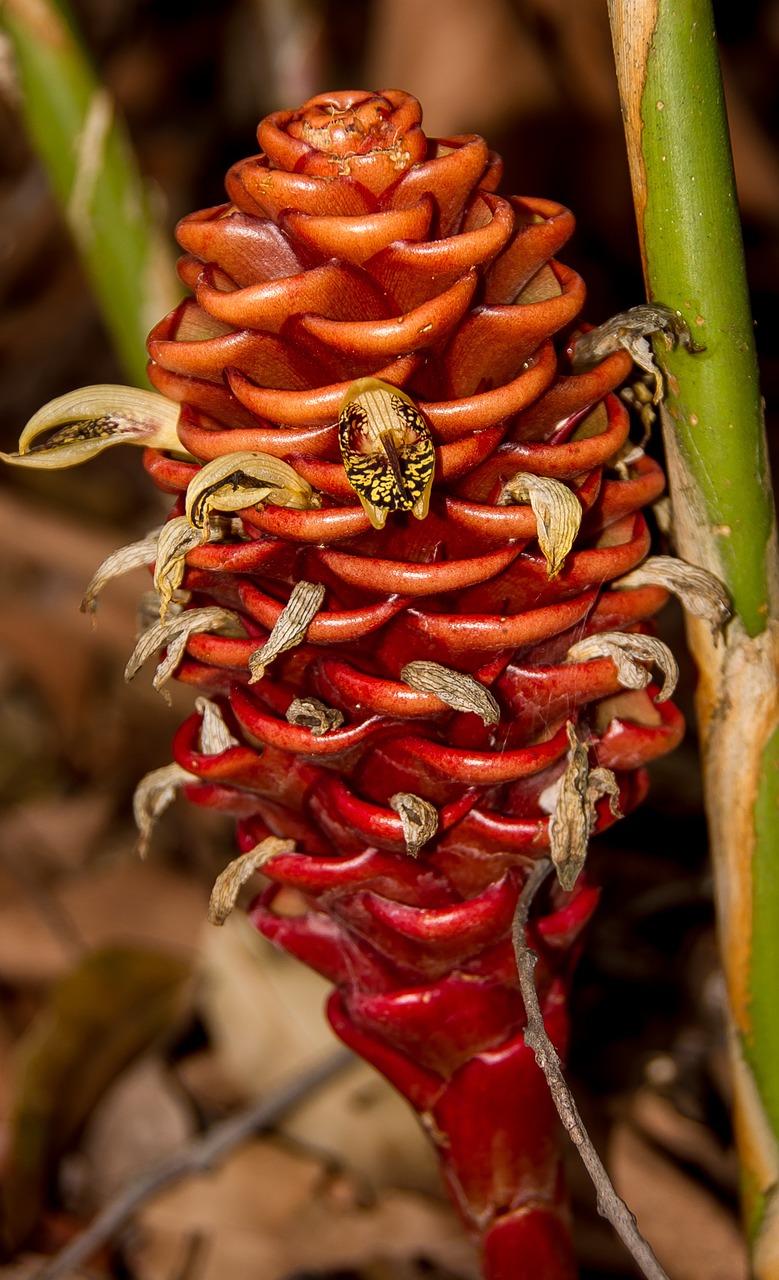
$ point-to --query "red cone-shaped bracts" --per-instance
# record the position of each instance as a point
(354, 247)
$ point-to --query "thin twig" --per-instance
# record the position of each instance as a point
(196, 1157)
(609, 1204)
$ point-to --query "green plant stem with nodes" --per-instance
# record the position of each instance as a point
(74, 127)
(724, 520)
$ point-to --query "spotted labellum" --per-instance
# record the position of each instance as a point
(402, 518)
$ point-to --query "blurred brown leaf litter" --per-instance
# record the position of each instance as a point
(126, 1024)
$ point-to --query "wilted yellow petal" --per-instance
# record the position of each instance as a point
(556, 508)
(82, 423)
(700, 592)
(453, 687)
(229, 882)
(418, 817)
(246, 479)
(630, 652)
(290, 628)
(153, 794)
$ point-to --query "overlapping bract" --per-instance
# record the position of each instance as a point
(356, 247)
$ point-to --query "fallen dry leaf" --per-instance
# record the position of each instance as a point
(28, 1265)
(368, 1128)
(264, 1012)
(693, 1235)
(143, 906)
(686, 1139)
(142, 1118)
(268, 1211)
(55, 831)
(96, 1020)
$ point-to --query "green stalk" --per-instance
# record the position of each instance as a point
(73, 124)
(724, 518)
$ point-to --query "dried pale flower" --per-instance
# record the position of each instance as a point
(418, 818)
(557, 511)
(573, 819)
(700, 592)
(214, 737)
(630, 653)
(80, 424)
(229, 882)
(313, 714)
(629, 330)
(147, 609)
(290, 627)
(133, 556)
(176, 539)
(625, 458)
(155, 792)
(454, 688)
(175, 633)
(662, 510)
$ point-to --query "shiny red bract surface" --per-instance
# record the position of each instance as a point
(355, 246)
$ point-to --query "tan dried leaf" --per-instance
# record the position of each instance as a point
(700, 592)
(630, 653)
(229, 882)
(246, 479)
(457, 690)
(312, 714)
(573, 818)
(418, 817)
(133, 556)
(556, 508)
(174, 633)
(176, 538)
(153, 794)
(82, 423)
(214, 736)
(290, 628)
